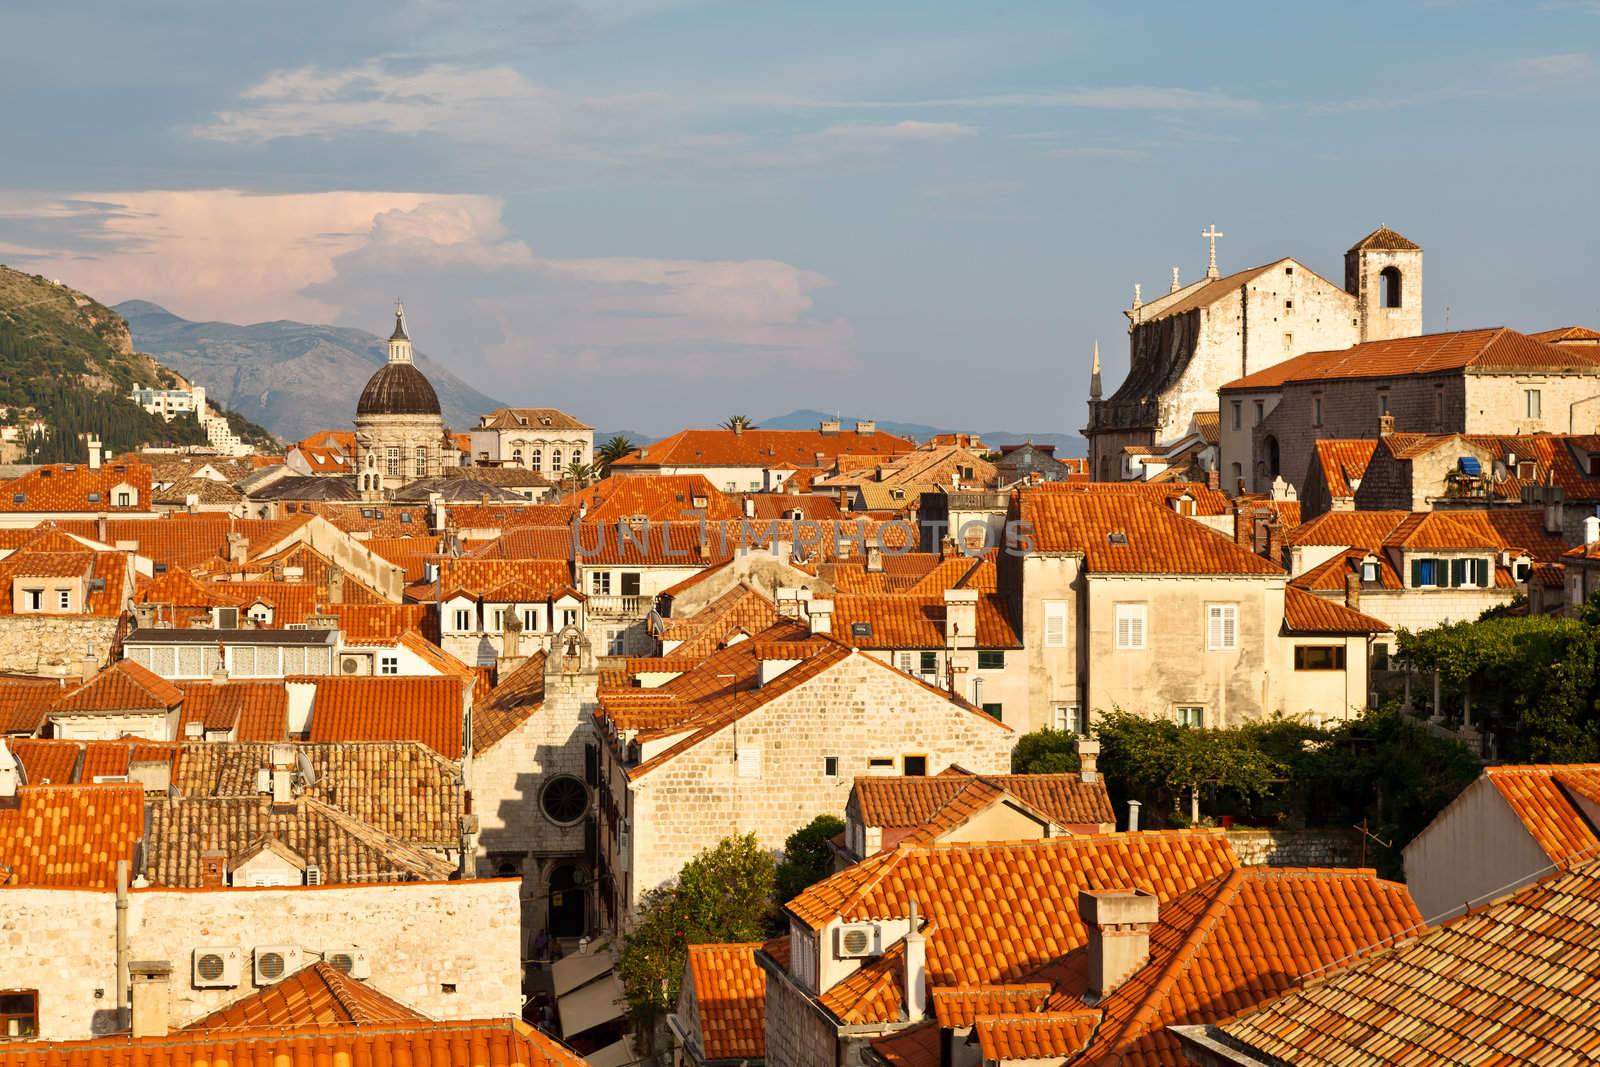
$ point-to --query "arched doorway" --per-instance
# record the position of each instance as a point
(569, 902)
(1271, 446)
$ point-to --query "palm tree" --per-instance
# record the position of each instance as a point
(613, 450)
(738, 423)
(579, 474)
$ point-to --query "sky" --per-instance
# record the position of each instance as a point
(658, 213)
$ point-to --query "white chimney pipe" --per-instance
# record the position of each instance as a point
(8, 771)
(1088, 760)
(1591, 529)
(1133, 815)
(916, 970)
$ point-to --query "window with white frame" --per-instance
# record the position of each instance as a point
(64, 599)
(1069, 717)
(530, 619)
(1055, 624)
(1531, 403)
(463, 619)
(1191, 715)
(1222, 627)
(616, 642)
(34, 599)
(1130, 626)
(388, 663)
(499, 620)
(392, 461)
(905, 662)
(600, 582)
(124, 499)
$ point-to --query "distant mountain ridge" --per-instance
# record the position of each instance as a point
(807, 419)
(294, 378)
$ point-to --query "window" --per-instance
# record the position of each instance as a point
(630, 583)
(1319, 657)
(564, 800)
(64, 599)
(1069, 717)
(569, 617)
(499, 620)
(392, 462)
(530, 619)
(600, 582)
(1222, 627)
(1469, 573)
(1380, 657)
(1383, 404)
(1530, 403)
(616, 642)
(880, 761)
(1438, 409)
(1130, 626)
(516, 456)
(1527, 470)
(914, 766)
(555, 461)
(1288, 341)
(993, 711)
(1316, 411)
(1191, 715)
(422, 462)
(904, 660)
(1055, 624)
(1369, 570)
(930, 663)
(124, 499)
(1238, 414)
(388, 664)
(35, 598)
(830, 766)
(1448, 573)
(991, 660)
(19, 1013)
(538, 459)
(1261, 410)
(463, 619)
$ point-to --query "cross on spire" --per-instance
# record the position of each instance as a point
(1211, 235)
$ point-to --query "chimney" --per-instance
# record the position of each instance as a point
(749, 507)
(277, 570)
(1352, 589)
(436, 512)
(101, 529)
(1213, 479)
(335, 585)
(1088, 760)
(213, 868)
(866, 426)
(874, 560)
(844, 500)
(282, 775)
(95, 456)
(1591, 529)
(738, 429)
(1385, 425)
(916, 970)
(1133, 815)
(1243, 534)
(960, 619)
(1119, 922)
(821, 616)
(1555, 499)
(152, 996)
(8, 773)
(828, 428)
(1275, 541)
(238, 548)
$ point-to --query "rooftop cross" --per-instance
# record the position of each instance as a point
(1211, 235)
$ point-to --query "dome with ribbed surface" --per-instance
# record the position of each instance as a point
(398, 389)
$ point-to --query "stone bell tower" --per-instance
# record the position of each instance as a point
(1383, 271)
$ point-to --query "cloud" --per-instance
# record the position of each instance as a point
(905, 131)
(1107, 98)
(482, 300)
(1095, 152)
(1562, 68)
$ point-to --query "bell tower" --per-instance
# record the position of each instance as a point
(1383, 271)
(399, 341)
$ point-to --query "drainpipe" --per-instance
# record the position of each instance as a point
(124, 1015)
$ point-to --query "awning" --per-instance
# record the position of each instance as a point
(570, 972)
(592, 1005)
(616, 1055)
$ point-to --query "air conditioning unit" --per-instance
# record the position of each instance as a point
(216, 968)
(275, 962)
(350, 961)
(353, 665)
(857, 940)
(313, 874)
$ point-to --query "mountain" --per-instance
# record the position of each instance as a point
(1066, 444)
(70, 361)
(292, 377)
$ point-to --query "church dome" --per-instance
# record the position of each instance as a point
(398, 389)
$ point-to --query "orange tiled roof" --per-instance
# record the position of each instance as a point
(70, 836)
(1384, 239)
(497, 1042)
(1534, 794)
(317, 994)
(25, 700)
(1492, 350)
(254, 711)
(123, 686)
(517, 580)
(912, 802)
(1305, 613)
(730, 992)
(1343, 462)
(509, 704)
(961, 1006)
(427, 709)
(68, 487)
(1149, 538)
(407, 553)
(1510, 983)
(1568, 334)
(380, 624)
(656, 497)
(905, 621)
(742, 608)
(761, 448)
(1047, 1035)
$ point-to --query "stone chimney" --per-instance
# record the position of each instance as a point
(1591, 529)
(1119, 922)
(1275, 541)
(213, 868)
(152, 996)
(1352, 589)
(238, 548)
(8, 773)
(828, 428)
(282, 775)
(1385, 425)
(738, 429)
(335, 584)
(1243, 526)
(866, 426)
(102, 530)
(874, 560)
(960, 619)
(1213, 479)
(916, 970)
(821, 616)
(1088, 760)
(1555, 508)
(437, 518)
(96, 453)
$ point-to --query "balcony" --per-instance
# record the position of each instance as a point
(619, 607)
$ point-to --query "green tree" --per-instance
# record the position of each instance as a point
(617, 447)
(738, 422)
(723, 894)
(1045, 751)
(1157, 761)
(807, 856)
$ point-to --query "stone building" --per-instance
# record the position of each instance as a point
(400, 433)
(1186, 343)
(543, 440)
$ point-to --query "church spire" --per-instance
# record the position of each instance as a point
(1175, 283)
(399, 341)
(1211, 235)
(1094, 374)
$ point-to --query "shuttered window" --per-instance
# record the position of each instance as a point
(1222, 627)
(1130, 626)
(1055, 624)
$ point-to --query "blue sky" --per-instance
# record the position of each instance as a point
(657, 213)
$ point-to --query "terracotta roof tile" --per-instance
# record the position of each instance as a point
(1305, 613)
(912, 802)
(1343, 463)
(67, 487)
(425, 709)
(1535, 796)
(760, 448)
(1384, 239)
(904, 621)
(740, 609)
(961, 1006)
(24, 702)
(1119, 533)
(1048, 1035)
(730, 991)
(509, 704)
(1567, 334)
(253, 711)
(69, 836)
(656, 498)
(123, 686)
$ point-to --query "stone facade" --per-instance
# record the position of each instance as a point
(855, 711)
(447, 949)
(798, 1034)
(56, 644)
(1297, 848)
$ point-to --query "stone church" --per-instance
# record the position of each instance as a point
(1186, 343)
(400, 432)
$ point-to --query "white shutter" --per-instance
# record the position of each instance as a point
(750, 762)
(1222, 626)
(1055, 624)
(1130, 626)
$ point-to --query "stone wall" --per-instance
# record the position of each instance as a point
(797, 1034)
(447, 949)
(1297, 848)
(54, 644)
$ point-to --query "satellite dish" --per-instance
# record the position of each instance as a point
(308, 777)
